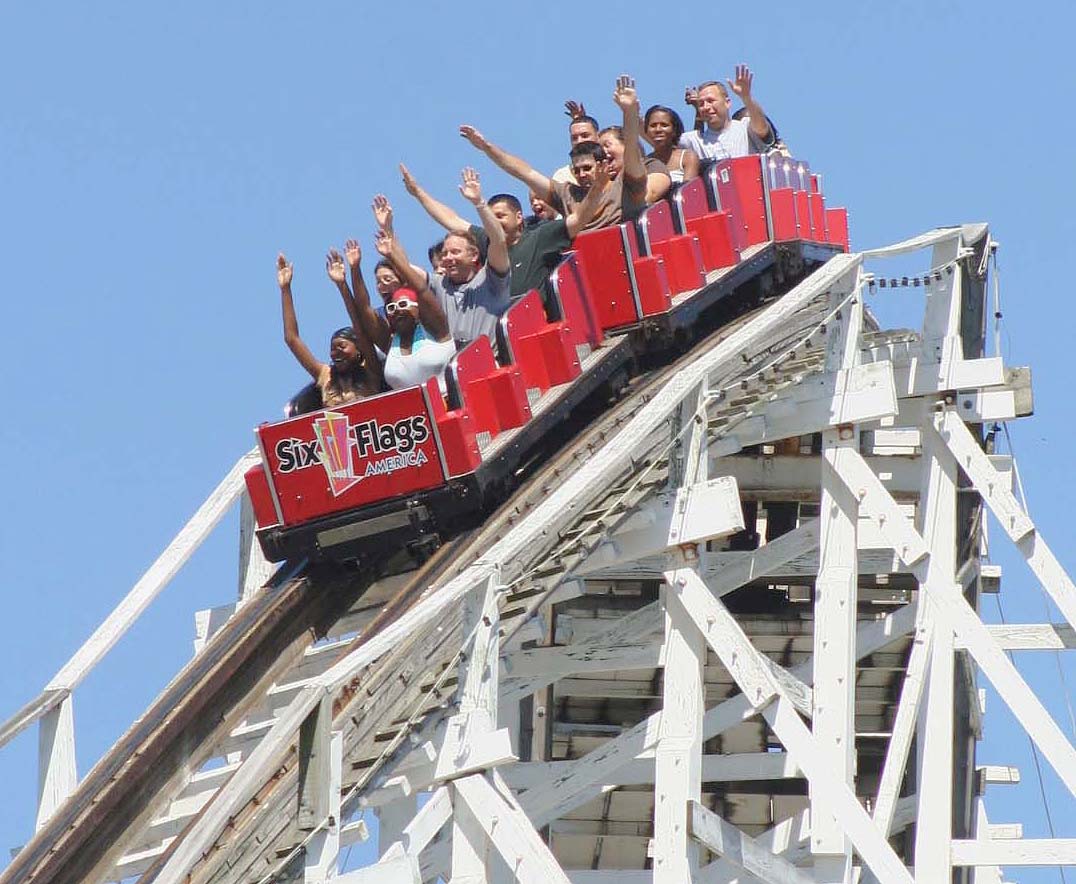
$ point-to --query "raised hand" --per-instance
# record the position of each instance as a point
(334, 266)
(691, 95)
(471, 187)
(625, 95)
(382, 212)
(474, 136)
(409, 182)
(283, 271)
(742, 85)
(383, 240)
(600, 176)
(574, 109)
(353, 253)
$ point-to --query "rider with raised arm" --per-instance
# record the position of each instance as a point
(534, 251)
(413, 333)
(353, 371)
(634, 183)
(724, 137)
(472, 295)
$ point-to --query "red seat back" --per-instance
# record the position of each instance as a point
(736, 187)
(690, 202)
(656, 225)
(467, 368)
(572, 299)
(524, 319)
(604, 258)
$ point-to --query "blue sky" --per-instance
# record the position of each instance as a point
(154, 158)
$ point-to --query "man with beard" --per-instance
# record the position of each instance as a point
(473, 295)
(633, 182)
(533, 251)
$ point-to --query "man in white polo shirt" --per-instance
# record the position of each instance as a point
(724, 137)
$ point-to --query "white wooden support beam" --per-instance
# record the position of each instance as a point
(393, 817)
(469, 847)
(254, 569)
(900, 741)
(156, 577)
(1033, 636)
(316, 770)
(1023, 852)
(576, 784)
(423, 828)
(678, 755)
(401, 870)
(1016, 523)
(950, 605)
(937, 517)
(323, 852)
(836, 591)
(742, 851)
(471, 740)
(984, 874)
(57, 776)
(739, 656)
(941, 346)
(496, 810)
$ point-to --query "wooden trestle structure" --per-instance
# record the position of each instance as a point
(730, 633)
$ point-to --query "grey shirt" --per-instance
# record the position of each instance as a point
(473, 307)
(735, 140)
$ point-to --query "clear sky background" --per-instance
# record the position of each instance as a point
(154, 158)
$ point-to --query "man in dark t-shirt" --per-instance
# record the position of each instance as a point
(533, 251)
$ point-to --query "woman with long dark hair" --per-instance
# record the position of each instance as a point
(662, 127)
(353, 371)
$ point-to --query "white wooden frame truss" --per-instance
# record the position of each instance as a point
(739, 749)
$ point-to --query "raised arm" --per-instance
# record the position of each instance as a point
(430, 313)
(299, 350)
(368, 325)
(760, 125)
(513, 165)
(635, 175)
(584, 212)
(437, 210)
(383, 216)
(497, 251)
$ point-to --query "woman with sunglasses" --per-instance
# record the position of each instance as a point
(413, 333)
(353, 371)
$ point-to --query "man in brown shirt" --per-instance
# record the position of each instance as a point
(634, 182)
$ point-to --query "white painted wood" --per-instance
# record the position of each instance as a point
(984, 874)
(836, 588)
(937, 525)
(998, 774)
(156, 578)
(678, 754)
(1033, 636)
(393, 818)
(1024, 852)
(321, 861)
(705, 511)
(401, 870)
(502, 819)
(742, 851)
(569, 789)
(904, 723)
(609, 876)
(1010, 514)
(254, 569)
(57, 776)
(731, 768)
(728, 641)
(469, 847)
(417, 835)
(249, 778)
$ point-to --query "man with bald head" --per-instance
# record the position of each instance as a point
(723, 137)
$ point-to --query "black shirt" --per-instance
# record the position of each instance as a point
(533, 258)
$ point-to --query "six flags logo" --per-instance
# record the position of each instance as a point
(340, 447)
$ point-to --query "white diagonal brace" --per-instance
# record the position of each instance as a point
(741, 659)
(999, 497)
(991, 658)
(576, 784)
(529, 858)
(900, 741)
(741, 850)
(422, 829)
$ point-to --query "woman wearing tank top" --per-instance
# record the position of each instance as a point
(662, 127)
(413, 333)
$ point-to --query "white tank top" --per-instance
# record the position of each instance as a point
(427, 359)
